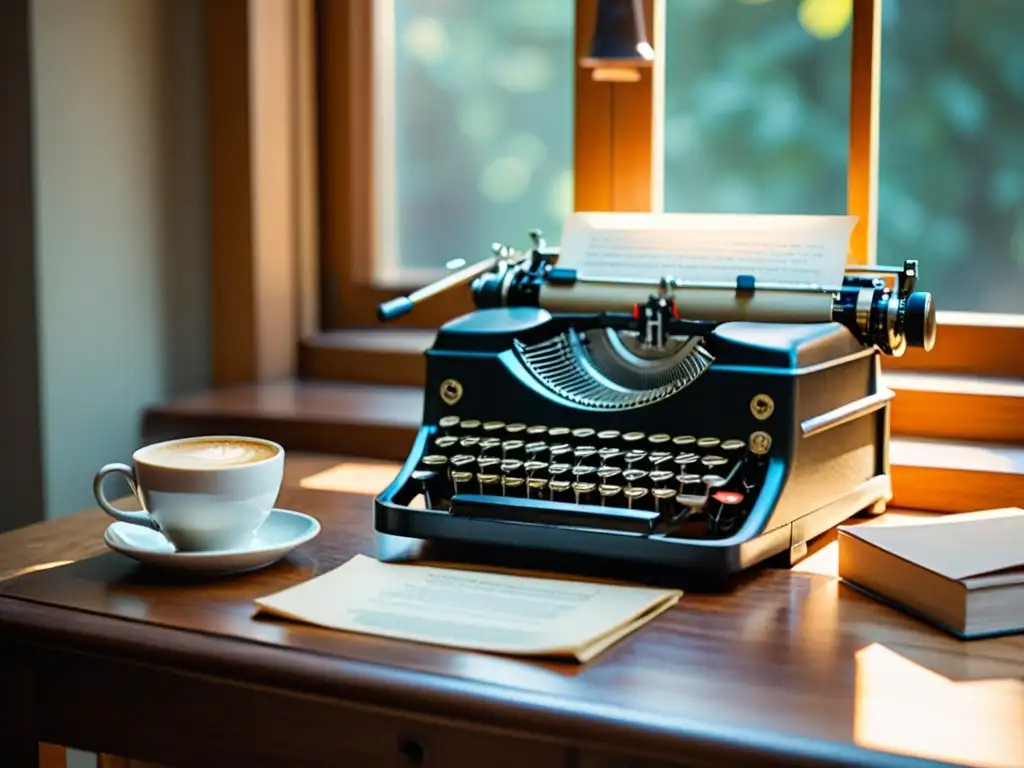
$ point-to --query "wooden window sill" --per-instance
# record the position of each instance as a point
(379, 421)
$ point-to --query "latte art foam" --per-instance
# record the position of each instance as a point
(211, 454)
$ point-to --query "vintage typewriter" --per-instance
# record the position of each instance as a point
(696, 426)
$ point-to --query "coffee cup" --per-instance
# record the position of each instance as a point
(202, 493)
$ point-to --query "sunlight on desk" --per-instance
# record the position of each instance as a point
(352, 477)
(39, 567)
(825, 561)
(902, 707)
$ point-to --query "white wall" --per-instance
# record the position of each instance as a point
(121, 226)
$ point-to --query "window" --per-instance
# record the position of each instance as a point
(442, 129)
(757, 112)
(951, 165)
(474, 129)
(757, 107)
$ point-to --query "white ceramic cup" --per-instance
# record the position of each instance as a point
(203, 493)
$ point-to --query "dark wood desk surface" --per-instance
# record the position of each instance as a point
(789, 667)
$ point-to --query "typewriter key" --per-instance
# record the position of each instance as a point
(607, 491)
(510, 445)
(560, 449)
(515, 429)
(632, 437)
(423, 477)
(733, 445)
(485, 480)
(659, 438)
(713, 481)
(460, 477)
(487, 461)
(684, 440)
(535, 483)
(435, 460)
(582, 433)
(582, 489)
(729, 498)
(634, 474)
(536, 430)
(535, 466)
(447, 422)
(634, 456)
(558, 431)
(633, 494)
(533, 449)
(459, 460)
(581, 470)
(510, 465)
(691, 501)
(559, 469)
(708, 442)
(471, 424)
(684, 459)
(713, 461)
(510, 482)
(557, 486)
(446, 441)
(489, 442)
(608, 434)
(660, 494)
(467, 442)
(605, 472)
(584, 451)
(608, 453)
(661, 476)
(659, 458)
(493, 426)
(687, 478)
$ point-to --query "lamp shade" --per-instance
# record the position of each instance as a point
(619, 46)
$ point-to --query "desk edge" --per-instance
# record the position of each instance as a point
(424, 694)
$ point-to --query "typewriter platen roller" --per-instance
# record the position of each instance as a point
(696, 426)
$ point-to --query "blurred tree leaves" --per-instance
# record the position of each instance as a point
(757, 121)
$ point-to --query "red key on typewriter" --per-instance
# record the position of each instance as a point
(727, 497)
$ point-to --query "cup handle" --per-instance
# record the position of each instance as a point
(124, 515)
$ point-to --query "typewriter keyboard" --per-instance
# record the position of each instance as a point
(682, 479)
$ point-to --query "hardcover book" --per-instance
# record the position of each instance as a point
(963, 573)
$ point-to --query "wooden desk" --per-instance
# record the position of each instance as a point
(101, 655)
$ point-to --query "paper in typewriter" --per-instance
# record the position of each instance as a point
(708, 247)
(477, 610)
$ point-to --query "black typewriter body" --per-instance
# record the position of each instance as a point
(747, 444)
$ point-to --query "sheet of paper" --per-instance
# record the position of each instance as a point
(708, 247)
(476, 610)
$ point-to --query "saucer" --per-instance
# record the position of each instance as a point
(282, 532)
